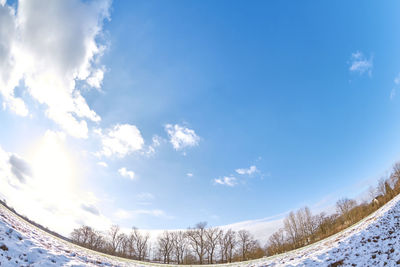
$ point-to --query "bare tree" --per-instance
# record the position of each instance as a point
(227, 243)
(372, 192)
(307, 224)
(246, 243)
(344, 206)
(165, 246)
(212, 235)
(276, 242)
(388, 190)
(87, 237)
(115, 238)
(139, 244)
(381, 190)
(197, 240)
(124, 245)
(180, 243)
(78, 235)
(395, 176)
(292, 229)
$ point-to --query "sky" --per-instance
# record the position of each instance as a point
(162, 114)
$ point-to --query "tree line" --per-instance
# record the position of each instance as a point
(196, 245)
(209, 245)
(302, 228)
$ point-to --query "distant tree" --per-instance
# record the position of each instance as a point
(305, 224)
(124, 245)
(292, 229)
(180, 243)
(388, 190)
(228, 242)
(276, 243)
(344, 206)
(246, 244)
(165, 246)
(87, 237)
(139, 244)
(197, 240)
(395, 176)
(381, 189)
(371, 193)
(212, 237)
(115, 238)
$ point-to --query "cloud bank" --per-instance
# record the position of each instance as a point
(48, 53)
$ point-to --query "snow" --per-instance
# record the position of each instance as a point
(375, 241)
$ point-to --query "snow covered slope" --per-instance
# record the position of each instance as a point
(375, 241)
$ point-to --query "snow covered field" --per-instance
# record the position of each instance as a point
(375, 241)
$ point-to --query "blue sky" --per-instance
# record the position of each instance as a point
(218, 111)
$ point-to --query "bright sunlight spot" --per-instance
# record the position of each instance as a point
(53, 167)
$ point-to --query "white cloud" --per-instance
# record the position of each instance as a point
(229, 181)
(189, 174)
(252, 169)
(360, 64)
(120, 140)
(181, 137)
(125, 173)
(103, 164)
(50, 45)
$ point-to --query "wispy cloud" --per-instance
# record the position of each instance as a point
(103, 164)
(125, 173)
(252, 169)
(227, 180)
(360, 64)
(155, 142)
(189, 174)
(120, 140)
(181, 137)
(232, 181)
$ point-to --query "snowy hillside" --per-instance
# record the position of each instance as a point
(373, 241)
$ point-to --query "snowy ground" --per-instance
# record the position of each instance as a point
(375, 241)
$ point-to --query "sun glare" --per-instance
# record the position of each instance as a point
(53, 167)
